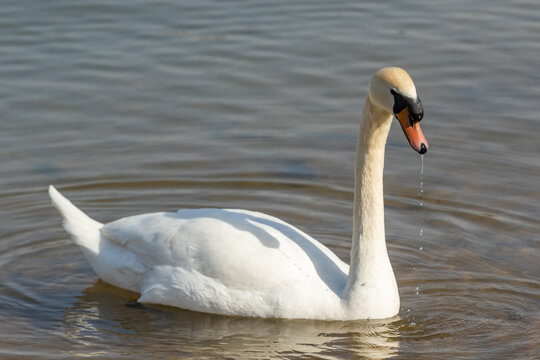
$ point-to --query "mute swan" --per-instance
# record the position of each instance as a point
(245, 263)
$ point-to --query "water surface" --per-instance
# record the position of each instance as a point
(131, 107)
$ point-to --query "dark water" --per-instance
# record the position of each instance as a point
(132, 106)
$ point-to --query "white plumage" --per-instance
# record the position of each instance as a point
(209, 260)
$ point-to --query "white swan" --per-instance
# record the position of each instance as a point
(245, 263)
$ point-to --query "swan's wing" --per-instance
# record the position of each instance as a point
(238, 248)
(155, 238)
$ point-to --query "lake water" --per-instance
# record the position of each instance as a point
(131, 107)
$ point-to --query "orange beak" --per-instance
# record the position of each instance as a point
(412, 131)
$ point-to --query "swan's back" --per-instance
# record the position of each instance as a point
(228, 261)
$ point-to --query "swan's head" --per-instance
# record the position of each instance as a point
(393, 90)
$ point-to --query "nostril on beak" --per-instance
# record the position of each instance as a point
(423, 148)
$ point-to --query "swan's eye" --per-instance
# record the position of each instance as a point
(399, 101)
(416, 111)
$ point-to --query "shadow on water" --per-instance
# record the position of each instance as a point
(104, 316)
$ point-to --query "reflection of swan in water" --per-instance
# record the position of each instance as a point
(239, 262)
(99, 322)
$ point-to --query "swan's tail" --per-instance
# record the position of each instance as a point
(84, 231)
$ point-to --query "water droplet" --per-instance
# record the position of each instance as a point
(417, 290)
(420, 202)
(412, 323)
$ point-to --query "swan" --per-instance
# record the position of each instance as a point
(245, 263)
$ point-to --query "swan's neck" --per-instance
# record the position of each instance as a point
(371, 285)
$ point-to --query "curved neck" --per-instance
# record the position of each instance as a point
(370, 273)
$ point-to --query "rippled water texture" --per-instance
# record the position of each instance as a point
(132, 106)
